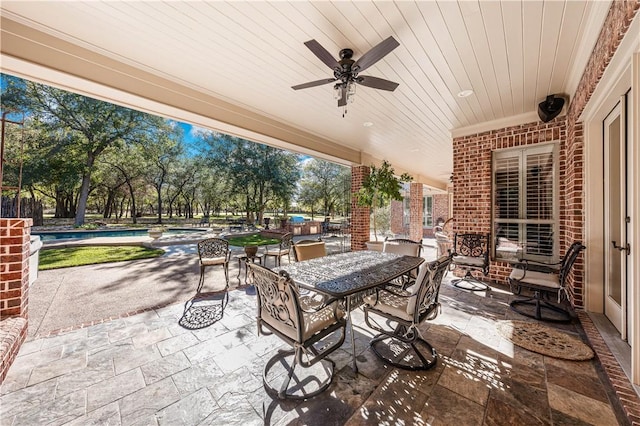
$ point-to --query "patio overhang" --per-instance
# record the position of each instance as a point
(37, 56)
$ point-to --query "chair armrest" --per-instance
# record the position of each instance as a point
(313, 301)
(533, 265)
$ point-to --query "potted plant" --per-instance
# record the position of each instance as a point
(156, 232)
(378, 189)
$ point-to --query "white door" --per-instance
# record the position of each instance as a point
(616, 218)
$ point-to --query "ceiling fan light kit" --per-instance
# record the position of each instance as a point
(346, 71)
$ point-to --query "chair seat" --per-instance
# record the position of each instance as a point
(536, 278)
(276, 252)
(391, 304)
(469, 260)
(213, 261)
(313, 321)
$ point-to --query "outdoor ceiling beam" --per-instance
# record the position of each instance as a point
(38, 56)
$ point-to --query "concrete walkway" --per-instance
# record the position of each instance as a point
(62, 299)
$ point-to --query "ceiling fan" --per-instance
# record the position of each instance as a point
(346, 71)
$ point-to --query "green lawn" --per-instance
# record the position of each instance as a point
(252, 240)
(77, 256)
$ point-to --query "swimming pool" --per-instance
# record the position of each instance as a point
(80, 235)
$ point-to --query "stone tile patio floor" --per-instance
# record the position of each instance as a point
(146, 370)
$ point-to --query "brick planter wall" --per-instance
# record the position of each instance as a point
(14, 288)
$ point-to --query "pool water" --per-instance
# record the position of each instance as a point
(49, 236)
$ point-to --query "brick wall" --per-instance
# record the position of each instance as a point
(472, 156)
(440, 208)
(14, 266)
(472, 193)
(360, 223)
(472, 176)
(616, 24)
(415, 211)
(14, 288)
(397, 216)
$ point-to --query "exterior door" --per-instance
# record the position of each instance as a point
(616, 217)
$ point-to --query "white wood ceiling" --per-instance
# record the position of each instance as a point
(510, 53)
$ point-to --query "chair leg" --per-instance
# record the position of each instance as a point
(201, 282)
(474, 283)
(415, 355)
(226, 274)
(284, 367)
(540, 308)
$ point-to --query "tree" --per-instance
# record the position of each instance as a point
(90, 126)
(380, 187)
(162, 147)
(323, 182)
(262, 174)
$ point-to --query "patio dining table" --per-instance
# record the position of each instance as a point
(349, 276)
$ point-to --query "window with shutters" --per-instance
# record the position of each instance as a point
(525, 206)
(427, 213)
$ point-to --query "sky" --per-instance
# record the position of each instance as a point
(191, 134)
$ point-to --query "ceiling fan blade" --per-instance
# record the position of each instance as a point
(377, 83)
(376, 53)
(343, 97)
(313, 83)
(322, 54)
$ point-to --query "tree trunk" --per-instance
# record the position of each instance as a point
(134, 213)
(159, 193)
(84, 191)
(111, 195)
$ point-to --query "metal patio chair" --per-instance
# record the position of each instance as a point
(213, 252)
(471, 252)
(308, 249)
(544, 279)
(284, 248)
(313, 333)
(405, 247)
(406, 347)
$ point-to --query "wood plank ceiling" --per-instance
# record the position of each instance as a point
(510, 53)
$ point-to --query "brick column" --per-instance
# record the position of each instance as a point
(14, 266)
(415, 211)
(397, 213)
(14, 288)
(360, 216)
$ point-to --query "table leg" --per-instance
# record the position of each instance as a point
(240, 269)
(353, 337)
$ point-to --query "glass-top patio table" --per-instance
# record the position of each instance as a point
(349, 276)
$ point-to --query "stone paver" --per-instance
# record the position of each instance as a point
(146, 369)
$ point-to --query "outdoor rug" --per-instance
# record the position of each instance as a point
(544, 340)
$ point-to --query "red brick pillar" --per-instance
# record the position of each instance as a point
(14, 266)
(14, 288)
(360, 225)
(397, 216)
(415, 211)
